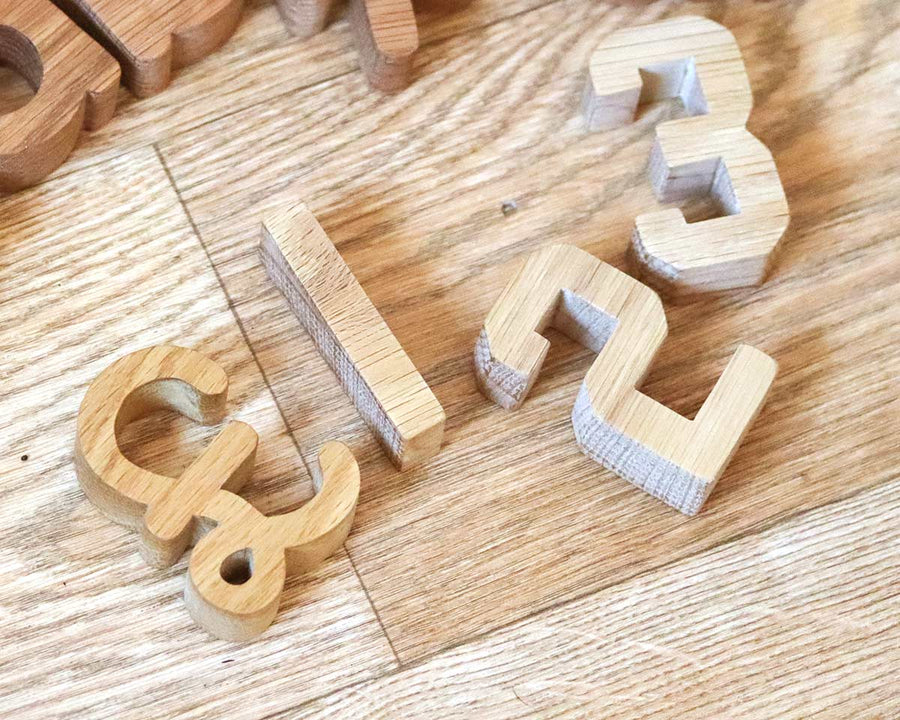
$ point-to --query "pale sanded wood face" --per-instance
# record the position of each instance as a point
(74, 82)
(710, 153)
(238, 568)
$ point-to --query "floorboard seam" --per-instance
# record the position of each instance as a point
(268, 384)
(412, 665)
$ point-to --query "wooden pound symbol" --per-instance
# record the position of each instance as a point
(242, 557)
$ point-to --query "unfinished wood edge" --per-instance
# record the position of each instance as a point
(640, 463)
(735, 250)
(504, 385)
(663, 279)
(679, 281)
(305, 18)
(508, 380)
(329, 347)
(387, 38)
(405, 447)
(609, 111)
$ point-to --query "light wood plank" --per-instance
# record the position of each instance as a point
(509, 518)
(95, 265)
(801, 621)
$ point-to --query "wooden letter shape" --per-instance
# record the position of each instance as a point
(711, 153)
(75, 83)
(237, 570)
(385, 31)
(151, 38)
(672, 458)
(351, 335)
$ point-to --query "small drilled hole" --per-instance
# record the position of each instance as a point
(237, 568)
(15, 92)
(21, 70)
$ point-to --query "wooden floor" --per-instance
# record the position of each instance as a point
(510, 577)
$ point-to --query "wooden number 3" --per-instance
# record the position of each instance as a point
(238, 567)
(674, 459)
(710, 153)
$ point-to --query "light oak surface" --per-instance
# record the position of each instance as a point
(489, 573)
(708, 154)
(771, 626)
(351, 335)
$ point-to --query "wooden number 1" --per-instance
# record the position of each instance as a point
(674, 459)
(352, 337)
(709, 153)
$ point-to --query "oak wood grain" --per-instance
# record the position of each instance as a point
(261, 61)
(375, 372)
(797, 622)
(510, 523)
(509, 519)
(95, 265)
(151, 39)
(73, 83)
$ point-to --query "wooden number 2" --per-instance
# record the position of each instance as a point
(710, 153)
(238, 569)
(674, 459)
